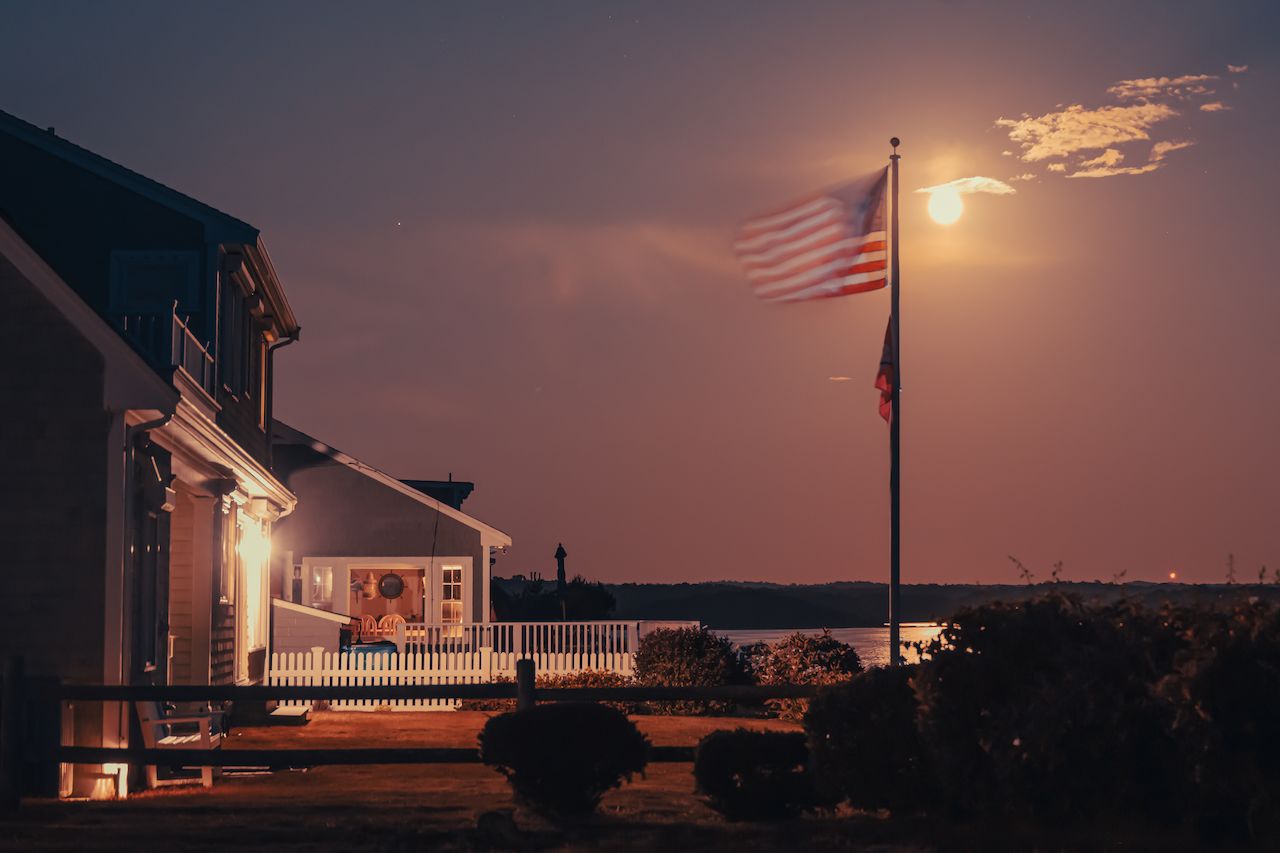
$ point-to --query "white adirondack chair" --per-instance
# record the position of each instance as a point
(158, 733)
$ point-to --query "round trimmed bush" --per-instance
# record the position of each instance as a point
(803, 659)
(684, 657)
(561, 758)
(753, 775)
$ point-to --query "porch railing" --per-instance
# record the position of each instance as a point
(467, 654)
(168, 342)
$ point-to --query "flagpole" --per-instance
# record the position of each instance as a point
(895, 425)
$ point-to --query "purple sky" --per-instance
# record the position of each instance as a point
(505, 230)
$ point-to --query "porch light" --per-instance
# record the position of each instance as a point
(369, 587)
(255, 544)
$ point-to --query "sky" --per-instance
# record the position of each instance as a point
(506, 227)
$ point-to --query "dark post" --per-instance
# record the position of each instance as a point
(895, 424)
(11, 703)
(525, 678)
(561, 553)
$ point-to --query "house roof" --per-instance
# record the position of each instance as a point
(451, 491)
(282, 433)
(220, 227)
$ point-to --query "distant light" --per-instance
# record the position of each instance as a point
(1173, 576)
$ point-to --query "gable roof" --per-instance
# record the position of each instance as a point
(220, 227)
(282, 433)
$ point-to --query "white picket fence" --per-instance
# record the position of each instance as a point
(464, 654)
(321, 668)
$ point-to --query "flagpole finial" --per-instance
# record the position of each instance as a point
(895, 142)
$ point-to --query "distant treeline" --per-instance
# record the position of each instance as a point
(729, 604)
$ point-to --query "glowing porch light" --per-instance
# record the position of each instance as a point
(255, 545)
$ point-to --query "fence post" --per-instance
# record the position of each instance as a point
(525, 678)
(11, 703)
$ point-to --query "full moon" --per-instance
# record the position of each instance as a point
(945, 206)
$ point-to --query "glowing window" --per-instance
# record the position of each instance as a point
(450, 594)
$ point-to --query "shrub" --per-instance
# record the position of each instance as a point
(585, 678)
(864, 744)
(687, 657)
(1045, 710)
(752, 775)
(1225, 687)
(561, 758)
(803, 659)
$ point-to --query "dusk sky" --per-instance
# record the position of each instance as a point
(505, 229)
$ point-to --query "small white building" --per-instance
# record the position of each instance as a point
(365, 544)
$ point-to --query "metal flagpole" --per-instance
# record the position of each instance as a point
(895, 424)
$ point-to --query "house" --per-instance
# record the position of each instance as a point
(365, 544)
(140, 332)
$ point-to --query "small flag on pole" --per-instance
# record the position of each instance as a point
(885, 378)
(832, 244)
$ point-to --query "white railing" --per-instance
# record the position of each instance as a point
(466, 654)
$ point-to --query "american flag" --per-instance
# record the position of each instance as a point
(832, 244)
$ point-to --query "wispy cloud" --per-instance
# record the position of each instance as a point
(975, 184)
(1062, 133)
(1025, 176)
(1147, 88)
(1108, 163)
(839, 378)
(1093, 142)
(1110, 157)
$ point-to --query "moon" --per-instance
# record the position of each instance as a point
(945, 205)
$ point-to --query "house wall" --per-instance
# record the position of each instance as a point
(297, 631)
(53, 530)
(341, 512)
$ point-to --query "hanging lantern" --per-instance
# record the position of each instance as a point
(369, 587)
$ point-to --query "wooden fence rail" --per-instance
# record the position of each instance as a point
(44, 697)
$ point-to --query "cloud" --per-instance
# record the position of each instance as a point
(1106, 165)
(1101, 141)
(1006, 153)
(1025, 176)
(975, 184)
(839, 378)
(1110, 157)
(1147, 88)
(1059, 134)
(1162, 148)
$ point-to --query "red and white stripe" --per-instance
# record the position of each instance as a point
(829, 245)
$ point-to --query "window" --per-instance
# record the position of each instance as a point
(322, 587)
(450, 594)
(231, 341)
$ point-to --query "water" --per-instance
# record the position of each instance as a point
(872, 644)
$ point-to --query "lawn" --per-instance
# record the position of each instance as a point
(413, 807)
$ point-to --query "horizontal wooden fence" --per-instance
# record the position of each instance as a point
(48, 696)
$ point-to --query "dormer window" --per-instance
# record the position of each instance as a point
(242, 346)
